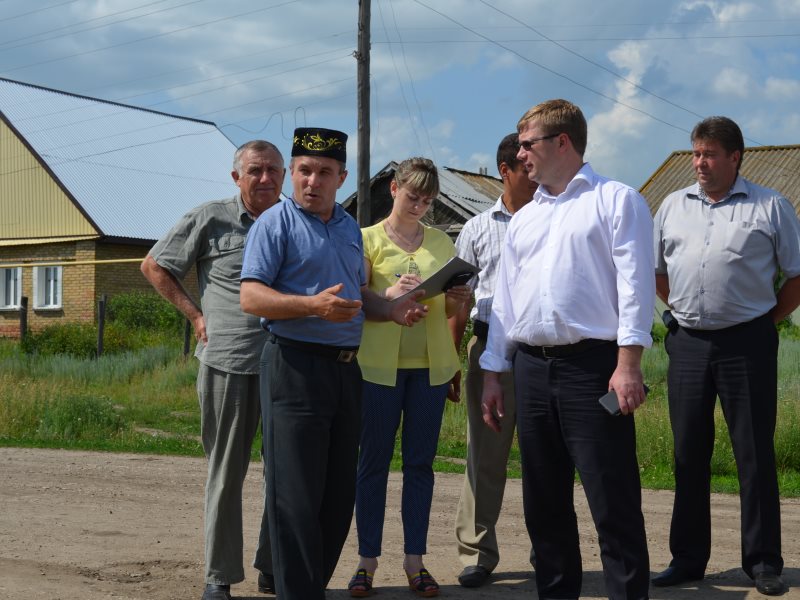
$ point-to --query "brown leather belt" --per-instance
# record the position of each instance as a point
(337, 353)
(565, 350)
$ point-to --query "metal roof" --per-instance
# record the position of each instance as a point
(133, 172)
(776, 167)
(466, 193)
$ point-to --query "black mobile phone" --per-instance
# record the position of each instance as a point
(610, 402)
(669, 320)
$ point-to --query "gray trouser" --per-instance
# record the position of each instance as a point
(485, 476)
(230, 410)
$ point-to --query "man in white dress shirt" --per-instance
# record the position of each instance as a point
(572, 314)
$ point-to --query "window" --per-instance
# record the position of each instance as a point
(10, 287)
(47, 287)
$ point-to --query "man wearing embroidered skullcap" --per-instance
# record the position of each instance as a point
(303, 274)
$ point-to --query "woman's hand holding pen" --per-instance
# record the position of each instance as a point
(405, 283)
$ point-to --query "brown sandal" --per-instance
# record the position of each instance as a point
(423, 584)
(360, 585)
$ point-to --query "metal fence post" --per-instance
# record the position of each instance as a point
(23, 317)
(187, 333)
(101, 323)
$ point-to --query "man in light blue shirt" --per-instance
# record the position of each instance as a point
(719, 247)
(303, 273)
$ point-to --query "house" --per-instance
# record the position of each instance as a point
(86, 187)
(776, 167)
(462, 195)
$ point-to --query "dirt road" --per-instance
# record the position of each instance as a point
(83, 525)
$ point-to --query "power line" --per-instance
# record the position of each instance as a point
(41, 33)
(36, 10)
(609, 39)
(592, 62)
(149, 37)
(413, 87)
(400, 82)
(553, 71)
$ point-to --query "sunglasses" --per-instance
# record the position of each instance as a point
(528, 144)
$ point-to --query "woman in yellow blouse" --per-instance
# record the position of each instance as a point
(406, 373)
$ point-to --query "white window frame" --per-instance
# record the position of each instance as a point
(48, 288)
(16, 284)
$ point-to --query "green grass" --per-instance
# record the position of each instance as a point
(145, 401)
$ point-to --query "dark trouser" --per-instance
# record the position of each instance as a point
(311, 407)
(740, 365)
(561, 426)
(421, 406)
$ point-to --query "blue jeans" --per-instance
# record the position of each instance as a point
(421, 406)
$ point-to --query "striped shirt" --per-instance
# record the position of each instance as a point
(480, 243)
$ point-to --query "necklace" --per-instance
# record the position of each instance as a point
(410, 245)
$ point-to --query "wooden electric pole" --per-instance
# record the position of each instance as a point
(362, 56)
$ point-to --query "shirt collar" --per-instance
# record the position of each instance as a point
(585, 175)
(338, 212)
(739, 188)
(499, 207)
(243, 214)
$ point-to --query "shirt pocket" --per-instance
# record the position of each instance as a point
(226, 253)
(744, 237)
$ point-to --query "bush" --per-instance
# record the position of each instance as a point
(80, 340)
(75, 339)
(144, 310)
(79, 417)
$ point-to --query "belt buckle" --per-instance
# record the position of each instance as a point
(546, 349)
(346, 356)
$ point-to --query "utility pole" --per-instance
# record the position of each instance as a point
(362, 56)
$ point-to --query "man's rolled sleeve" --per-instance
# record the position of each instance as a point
(636, 285)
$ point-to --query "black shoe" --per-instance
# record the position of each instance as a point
(474, 576)
(769, 584)
(675, 576)
(217, 592)
(266, 583)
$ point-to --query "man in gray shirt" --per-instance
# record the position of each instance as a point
(211, 238)
(720, 245)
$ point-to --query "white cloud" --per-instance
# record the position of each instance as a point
(782, 89)
(734, 82)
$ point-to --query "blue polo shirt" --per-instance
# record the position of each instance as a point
(295, 252)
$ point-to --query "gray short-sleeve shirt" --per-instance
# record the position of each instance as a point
(722, 257)
(212, 237)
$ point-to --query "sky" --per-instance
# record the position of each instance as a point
(448, 78)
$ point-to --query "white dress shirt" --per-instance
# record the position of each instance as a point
(574, 266)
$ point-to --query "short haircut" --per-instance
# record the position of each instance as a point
(507, 151)
(722, 130)
(255, 146)
(558, 116)
(419, 175)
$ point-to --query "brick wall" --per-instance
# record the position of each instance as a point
(82, 285)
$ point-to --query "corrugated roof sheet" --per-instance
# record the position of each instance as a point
(467, 193)
(776, 167)
(134, 172)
